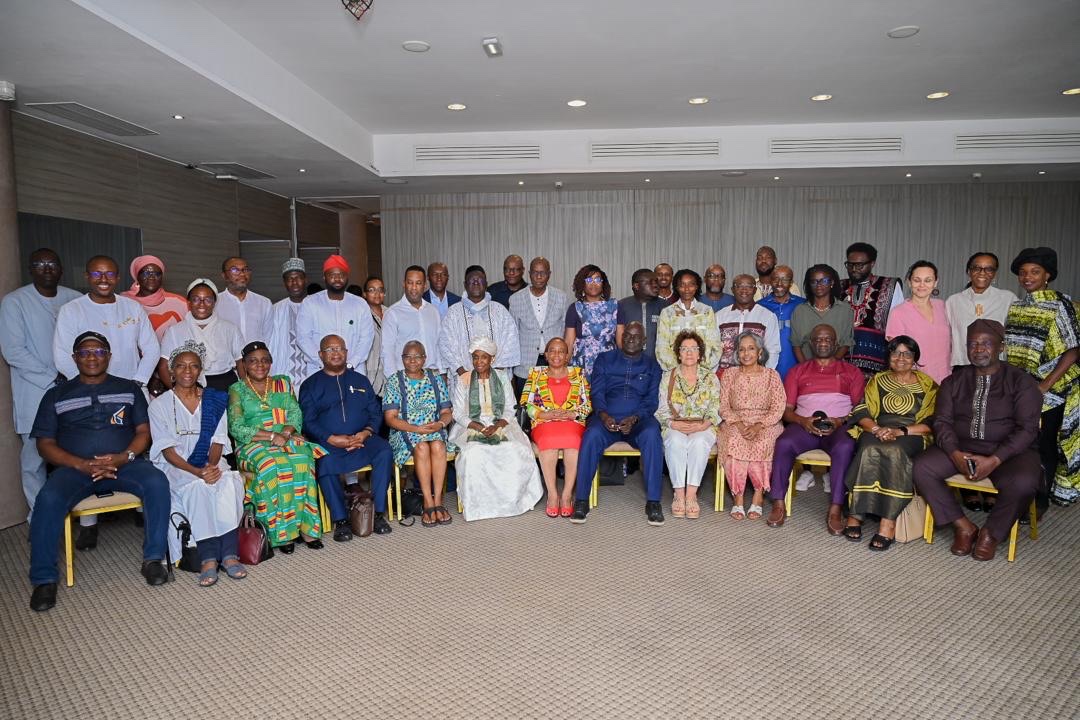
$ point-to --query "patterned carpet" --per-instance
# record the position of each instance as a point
(533, 617)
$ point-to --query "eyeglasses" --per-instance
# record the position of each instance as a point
(902, 354)
(239, 270)
(414, 357)
(743, 286)
(539, 273)
(852, 265)
(981, 345)
(85, 353)
(594, 280)
(781, 280)
(96, 275)
(984, 269)
(333, 349)
(820, 282)
(690, 349)
(376, 290)
(205, 300)
(714, 276)
(45, 265)
(150, 273)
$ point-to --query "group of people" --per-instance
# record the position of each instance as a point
(236, 401)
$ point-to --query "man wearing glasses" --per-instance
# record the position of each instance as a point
(539, 313)
(246, 309)
(27, 323)
(980, 300)
(872, 298)
(93, 429)
(745, 315)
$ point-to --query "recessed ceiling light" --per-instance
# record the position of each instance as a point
(938, 95)
(907, 174)
(648, 180)
(178, 117)
(904, 31)
(577, 103)
(416, 46)
(776, 177)
(396, 181)
(821, 98)
(733, 173)
(1041, 172)
(303, 170)
(521, 182)
(1071, 91)
(698, 100)
(455, 106)
(492, 46)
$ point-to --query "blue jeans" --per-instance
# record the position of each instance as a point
(218, 548)
(64, 489)
(645, 436)
(376, 453)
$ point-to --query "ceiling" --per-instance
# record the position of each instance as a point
(280, 85)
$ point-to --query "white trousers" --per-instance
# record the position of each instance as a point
(33, 471)
(687, 455)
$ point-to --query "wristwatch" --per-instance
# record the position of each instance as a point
(903, 429)
(130, 456)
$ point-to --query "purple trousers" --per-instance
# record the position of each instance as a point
(793, 441)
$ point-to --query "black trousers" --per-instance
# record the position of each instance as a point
(1049, 453)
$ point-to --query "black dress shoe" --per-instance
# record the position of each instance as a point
(342, 531)
(581, 512)
(380, 526)
(43, 598)
(87, 539)
(155, 573)
(315, 544)
(654, 512)
(287, 548)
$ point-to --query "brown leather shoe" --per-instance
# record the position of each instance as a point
(834, 523)
(777, 514)
(985, 546)
(963, 540)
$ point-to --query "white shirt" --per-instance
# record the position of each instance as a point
(404, 323)
(135, 349)
(467, 320)
(289, 358)
(221, 338)
(252, 315)
(967, 306)
(539, 306)
(349, 317)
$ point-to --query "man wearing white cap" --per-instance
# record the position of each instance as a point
(284, 344)
(335, 312)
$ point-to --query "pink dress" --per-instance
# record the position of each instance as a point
(750, 397)
(934, 338)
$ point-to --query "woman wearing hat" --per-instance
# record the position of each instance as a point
(1042, 336)
(163, 308)
(221, 366)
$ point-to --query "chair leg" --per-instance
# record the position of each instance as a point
(721, 487)
(389, 503)
(594, 494)
(397, 491)
(68, 554)
(1033, 533)
(928, 526)
(1012, 541)
(324, 513)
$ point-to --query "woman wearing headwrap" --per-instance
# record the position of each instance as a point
(497, 474)
(163, 308)
(220, 338)
(1042, 336)
(264, 418)
(189, 433)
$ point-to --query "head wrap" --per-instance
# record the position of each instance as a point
(990, 327)
(293, 264)
(252, 347)
(1042, 256)
(483, 343)
(190, 346)
(138, 264)
(91, 335)
(202, 281)
(335, 261)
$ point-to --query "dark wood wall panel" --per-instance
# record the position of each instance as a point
(263, 213)
(315, 226)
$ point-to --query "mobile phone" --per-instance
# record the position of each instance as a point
(971, 467)
(104, 494)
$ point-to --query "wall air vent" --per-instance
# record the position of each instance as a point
(1018, 141)
(847, 145)
(233, 170)
(465, 153)
(661, 149)
(89, 117)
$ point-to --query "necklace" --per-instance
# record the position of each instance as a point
(176, 422)
(263, 399)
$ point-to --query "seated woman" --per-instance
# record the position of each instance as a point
(496, 470)
(752, 401)
(263, 419)
(557, 401)
(188, 427)
(892, 425)
(416, 406)
(221, 339)
(687, 413)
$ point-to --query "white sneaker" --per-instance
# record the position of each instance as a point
(825, 480)
(805, 481)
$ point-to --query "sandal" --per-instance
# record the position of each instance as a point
(853, 532)
(566, 511)
(880, 543)
(208, 577)
(737, 512)
(678, 507)
(236, 571)
(693, 510)
(442, 509)
(429, 512)
(552, 511)
(754, 512)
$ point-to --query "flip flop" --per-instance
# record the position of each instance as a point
(448, 520)
(429, 512)
(880, 543)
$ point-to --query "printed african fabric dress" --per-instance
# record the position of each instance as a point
(418, 402)
(870, 306)
(597, 332)
(283, 488)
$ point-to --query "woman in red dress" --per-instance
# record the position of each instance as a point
(556, 398)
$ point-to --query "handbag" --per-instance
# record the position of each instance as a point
(253, 545)
(909, 525)
(412, 504)
(189, 555)
(362, 514)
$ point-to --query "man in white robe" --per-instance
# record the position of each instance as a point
(27, 323)
(284, 343)
(246, 309)
(410, 318)
(477, 316)
(335, 312)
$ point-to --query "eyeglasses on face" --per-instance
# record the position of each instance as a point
(853, 265)
(714, 276)
(594, 280)
(539, 273)
(45, 265)
(980, 345)
(743, 286)
(414, 357)
(690, 349)
(815, 282)
(333, 349)
(239, 269)
(96, 275)
(983, 269)
(902, 354)
(150, 273)
(99, 353)
(205, 300)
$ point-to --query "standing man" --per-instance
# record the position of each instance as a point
(27, 323)
(765, 264)
(335, 312)
(872, 298)
(643, 307)
(746, 315)
(246, 309)
(410, 318)
(437, 294)
(714, 295)
(477, 316)
(664, 275)
(539, 315)
(284, 345)
(513, 280)
(92, 429)
(782, 303)
(343, 414)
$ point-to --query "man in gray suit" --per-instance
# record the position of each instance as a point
(539, 312)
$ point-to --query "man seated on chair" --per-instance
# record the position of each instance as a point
(625, 391)
(820, 395)
(93, 429)
(985, 424)
(342, 413)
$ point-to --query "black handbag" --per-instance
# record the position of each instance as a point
(412, 504)
(189, 555)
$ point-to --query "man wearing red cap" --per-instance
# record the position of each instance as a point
(334, 312)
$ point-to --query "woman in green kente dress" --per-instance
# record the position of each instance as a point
(263, 419)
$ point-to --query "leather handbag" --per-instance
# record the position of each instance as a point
(909, 525)
(253, 545)
(189, 555)
(362, 514)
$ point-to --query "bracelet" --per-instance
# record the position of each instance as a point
(271, 437)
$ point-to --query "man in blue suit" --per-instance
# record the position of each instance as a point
(437, 294)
